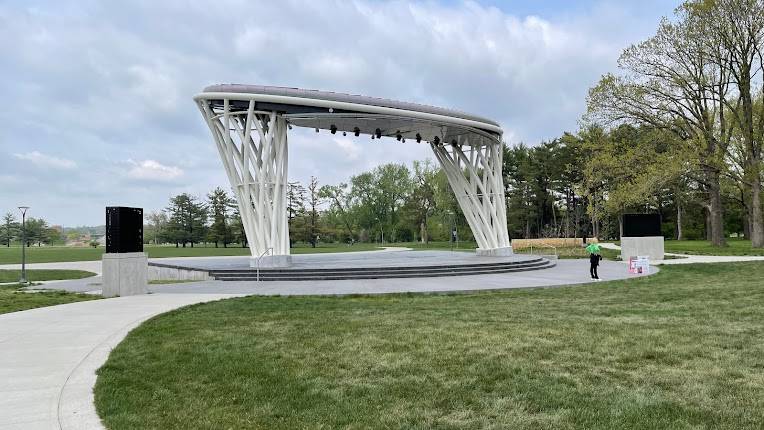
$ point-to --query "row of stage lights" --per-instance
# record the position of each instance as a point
(378, 134)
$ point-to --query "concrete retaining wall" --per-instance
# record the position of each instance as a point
(176, 273)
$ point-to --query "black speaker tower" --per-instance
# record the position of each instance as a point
(641, 225)
(124, 229)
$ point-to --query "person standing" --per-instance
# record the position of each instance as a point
(594, 260)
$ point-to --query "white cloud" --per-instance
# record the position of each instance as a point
(41, 160)
(110, 82)
(153, 171)
(348, 147)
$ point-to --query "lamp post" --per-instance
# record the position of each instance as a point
(23, 210)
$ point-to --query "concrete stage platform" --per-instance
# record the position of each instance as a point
(352, 265)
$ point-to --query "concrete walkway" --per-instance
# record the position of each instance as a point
(48, 356)
(691, 259)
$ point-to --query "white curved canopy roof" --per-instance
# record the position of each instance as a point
(355, 113)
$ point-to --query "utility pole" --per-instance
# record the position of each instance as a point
(23, 210)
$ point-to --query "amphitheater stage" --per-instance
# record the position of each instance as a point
(353, 265)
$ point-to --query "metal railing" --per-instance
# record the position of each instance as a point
(258, 261)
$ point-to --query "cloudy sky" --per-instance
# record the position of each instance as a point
(97, 106)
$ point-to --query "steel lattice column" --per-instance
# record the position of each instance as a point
(253, 148)
(473, 170)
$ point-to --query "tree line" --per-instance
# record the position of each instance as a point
(682, 122)
(38, 231)
(391, 203)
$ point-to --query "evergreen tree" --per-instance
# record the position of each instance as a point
(219, 204)
(187, 220)
(9, 229)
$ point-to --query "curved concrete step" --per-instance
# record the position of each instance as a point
(380, 273)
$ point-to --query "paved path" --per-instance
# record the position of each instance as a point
(48, 356)
(690, 259)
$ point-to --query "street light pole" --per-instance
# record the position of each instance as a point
(23, 210)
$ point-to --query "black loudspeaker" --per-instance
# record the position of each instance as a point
(124, 229)
(641, 225)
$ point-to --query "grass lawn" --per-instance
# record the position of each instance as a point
(13, 299)
(680, 349)
(34, 275)
(50, 254)
(170, 281)
(702, 247)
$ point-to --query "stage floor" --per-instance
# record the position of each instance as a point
(350, 260)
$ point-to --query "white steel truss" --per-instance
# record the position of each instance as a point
(473, 169)
(253, 148)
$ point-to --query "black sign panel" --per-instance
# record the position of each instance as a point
(641, 225)
(124, 229)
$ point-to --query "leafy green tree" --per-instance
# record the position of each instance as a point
(37, 231)
(734, 36)
(420, 202)
(340, 202)
(671, 82)
(156, 229)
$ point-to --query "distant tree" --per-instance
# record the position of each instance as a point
(37, 231)
(10, 228)
(219, 203)
(53, 235)
(295, 208)
(340, 201)
(187, 218)
(238, 233)
(155, 231)
(314, 200)
(420, 203)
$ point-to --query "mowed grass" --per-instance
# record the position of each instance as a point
(702, 247)
(34, 275)
(678, 350)
(13, 298)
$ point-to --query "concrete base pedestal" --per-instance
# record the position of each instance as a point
(651, 246)
(125, 274)
(494, 252)
(270, 261)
